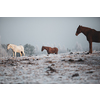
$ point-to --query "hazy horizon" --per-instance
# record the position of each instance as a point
(48, 31)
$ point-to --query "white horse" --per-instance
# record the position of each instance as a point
(15, 48)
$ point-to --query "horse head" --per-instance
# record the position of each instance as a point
(78, 30)
(8, 46)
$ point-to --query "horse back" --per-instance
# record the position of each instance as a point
(95, 35)
(22, 47)
(56, 48)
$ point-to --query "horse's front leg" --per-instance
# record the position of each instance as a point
(15, 54)
(90, 46)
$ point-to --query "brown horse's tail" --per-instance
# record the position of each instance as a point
(56, 49)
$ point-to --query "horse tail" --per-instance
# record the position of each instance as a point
(22, 52)
(56, 50)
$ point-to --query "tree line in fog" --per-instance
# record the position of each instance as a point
(28, 49)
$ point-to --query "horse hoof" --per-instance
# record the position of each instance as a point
(87, 53)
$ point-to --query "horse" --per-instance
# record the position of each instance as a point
(91, 34)
(15, 48)
(50, 50)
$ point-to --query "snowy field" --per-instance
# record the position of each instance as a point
(64, 68)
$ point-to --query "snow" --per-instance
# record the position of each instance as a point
(51, 69)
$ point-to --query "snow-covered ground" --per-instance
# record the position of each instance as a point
(64, 68)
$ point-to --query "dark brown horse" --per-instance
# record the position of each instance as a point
(50, 50)
(91, 34)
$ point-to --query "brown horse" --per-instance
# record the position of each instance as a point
(50, 50)
(91, 34)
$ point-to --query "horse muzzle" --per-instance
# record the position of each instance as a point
(76, 34)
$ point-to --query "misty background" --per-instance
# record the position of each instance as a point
(47, 31)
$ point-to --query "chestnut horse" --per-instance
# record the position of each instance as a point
(50, 50)
(91, 34)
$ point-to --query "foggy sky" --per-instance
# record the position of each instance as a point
(49, 31)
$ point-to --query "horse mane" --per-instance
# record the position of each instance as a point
(44, 46)
(8, 45)
(87, 28)
(48, 47)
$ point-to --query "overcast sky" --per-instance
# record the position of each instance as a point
(49, 31)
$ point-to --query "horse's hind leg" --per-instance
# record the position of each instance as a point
(56, 51)
(24, 53)
(21, 53)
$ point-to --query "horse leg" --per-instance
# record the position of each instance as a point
(56, 52)
(20, 54)
(15, 54)
(48, 52)
(24, 53)
(90, 46)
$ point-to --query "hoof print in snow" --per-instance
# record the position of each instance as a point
(75, 75)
